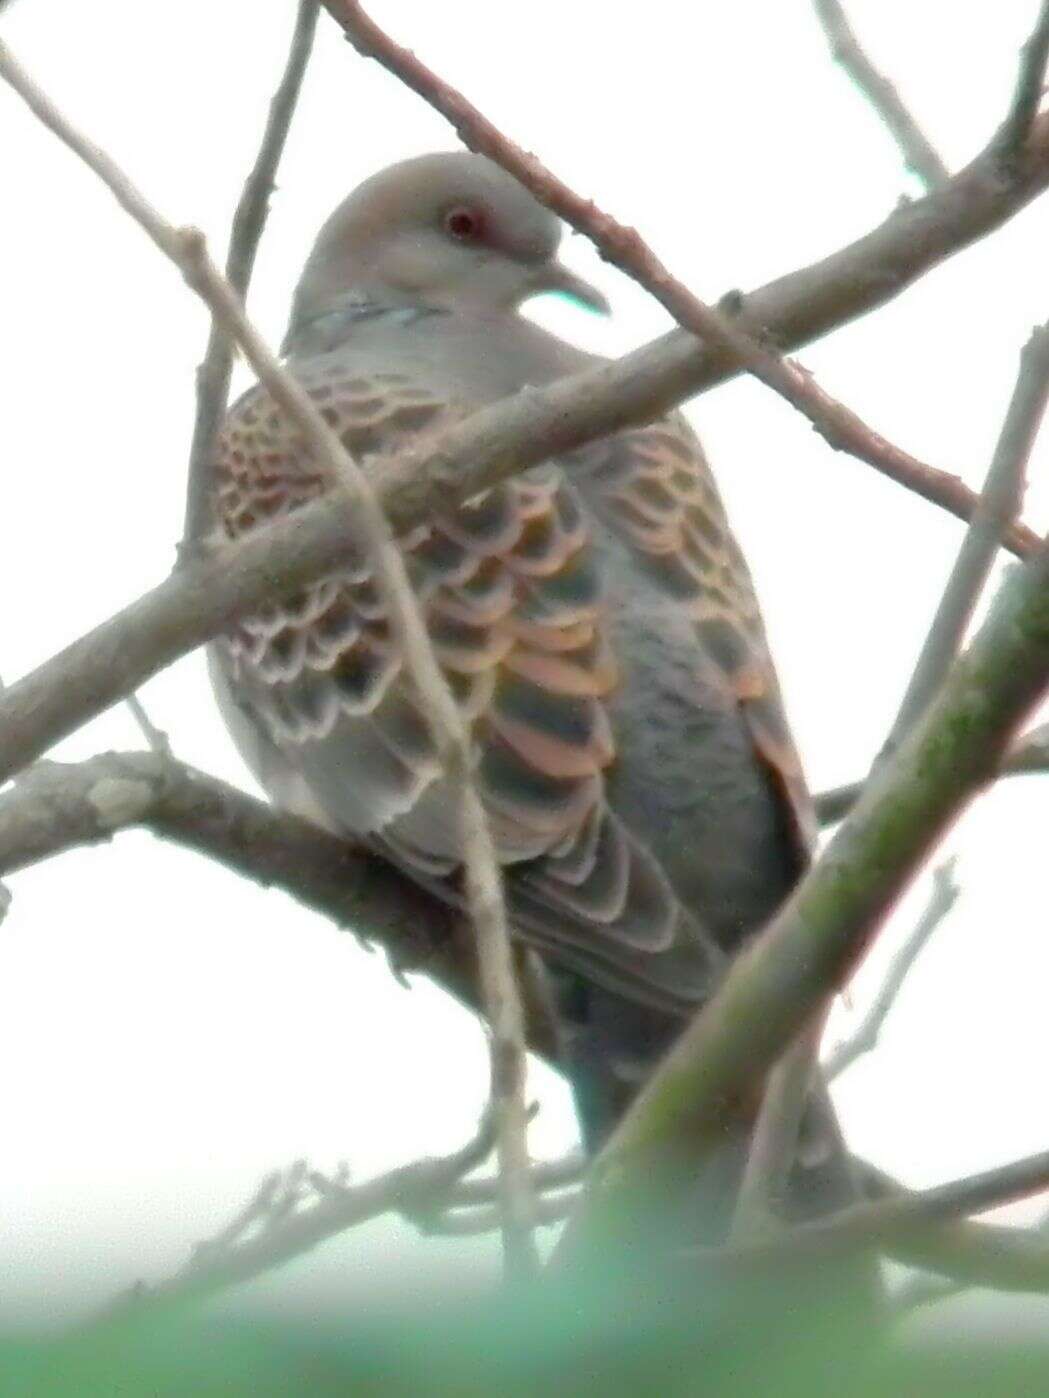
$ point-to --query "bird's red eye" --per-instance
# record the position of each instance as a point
(464, 224)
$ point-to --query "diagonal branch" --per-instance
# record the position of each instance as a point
(775, 987)
(996, 508)
(918, 152)
(1030, 85)
(967, 1252)
(360, 504)
(508, 437)
(773, 1147)
(775, 1134)
(1030, 757)
(214, 372)
(887, 1221)
(296, 1210)
(55, 807)
(999, 504)
(274, 1227)
(624, 247)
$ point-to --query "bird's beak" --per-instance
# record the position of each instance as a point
(556, 277)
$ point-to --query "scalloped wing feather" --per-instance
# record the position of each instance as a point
(511, 592)
(658, 493)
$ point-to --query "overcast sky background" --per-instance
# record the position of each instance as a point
(168, 1033)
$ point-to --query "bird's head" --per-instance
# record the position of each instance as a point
(452, 231)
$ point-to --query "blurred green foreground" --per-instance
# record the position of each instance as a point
(568, 1336)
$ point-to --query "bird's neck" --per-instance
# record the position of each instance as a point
(317, 327)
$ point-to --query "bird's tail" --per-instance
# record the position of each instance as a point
(612, 1045)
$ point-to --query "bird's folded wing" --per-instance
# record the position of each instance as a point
(511, 595)
(658, 493)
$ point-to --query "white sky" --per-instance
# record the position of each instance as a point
(169, 1033)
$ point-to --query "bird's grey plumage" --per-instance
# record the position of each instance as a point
(595, 618)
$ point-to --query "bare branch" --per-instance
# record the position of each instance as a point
(811, 946)
(467, 1207)
(547, 1176)
(997, 507)
(944, 895)
(898, 1218)
(918, 153)
(966, 1252)
(1030, 757)
(295, 1210)
(774, 1141)
(1030, 85)
(55, 807)
(624, 247)
(506, 438)
(999, 504)
(185, 247)
(461, 1223)
(156, 739)
(278, 1224)
(214, 371)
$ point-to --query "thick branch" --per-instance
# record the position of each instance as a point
(503, 440)
(775, 987)
(213, 374)
(918, 153)
(55, 807)
(745, 346)
(1027, 94)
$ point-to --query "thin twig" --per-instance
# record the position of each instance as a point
(887, 1220)
(918, 153)
(996, 509)
(999, 504)
(215, 370)
(624, 247)
(1030, 85)
(546, 1176)
(156, 739)
(278, 1223)
(1030, 757)
(500, 441)
(966, 1252)
(186, 248)
(461, 1223)
(944, 895)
